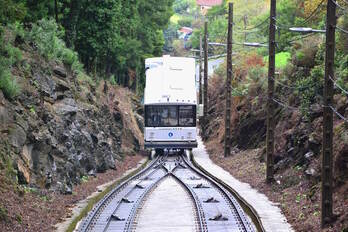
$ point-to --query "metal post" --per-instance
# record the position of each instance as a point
(205, 86)
(200, 69)
(228, 82)
(270, 103)
(326, 173)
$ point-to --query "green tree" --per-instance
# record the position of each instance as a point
(11, 11)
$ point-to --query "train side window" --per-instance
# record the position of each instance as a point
(187, 116)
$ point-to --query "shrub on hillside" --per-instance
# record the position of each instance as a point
(8, 84)
(304, 52)
(45, 34)
(47, 38)
(113, 80)
(9, 56)
(309, 88)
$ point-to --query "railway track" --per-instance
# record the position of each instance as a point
(215, 208)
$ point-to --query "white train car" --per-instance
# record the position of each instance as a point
(170, 102)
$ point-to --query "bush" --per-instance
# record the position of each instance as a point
(45, 34)
(47, 37)
(113, 80)
(3, 214)
(8, 84)
(9, 56)
(71, 58)
(309, 87)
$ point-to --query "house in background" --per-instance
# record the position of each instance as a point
(205, 5)
(185, 33)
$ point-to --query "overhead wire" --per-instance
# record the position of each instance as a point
(288, 86)
(306, 20)
(339, 6)
(258, 25)
(301, 37)
(250, 30)
(338, 86)
(313, 12)
(338, 114)
(342, 30)
(286, 27)
(285, 105)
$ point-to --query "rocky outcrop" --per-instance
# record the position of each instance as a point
(60, 129)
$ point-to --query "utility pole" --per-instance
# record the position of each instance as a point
(228, 82)
(245, 20)
(200, 69)
(270, 103)
(205, 86)
(326, 171)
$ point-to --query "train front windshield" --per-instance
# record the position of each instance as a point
(170, 116)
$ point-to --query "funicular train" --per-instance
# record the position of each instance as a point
(170, 102)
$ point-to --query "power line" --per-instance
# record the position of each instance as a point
(291, 87)
(301, 37)
(338, 114)
(342, 30)
(313, 12)
(339, 6)
(338, 86)
(258, 26)
(291, 108)
(280, 25)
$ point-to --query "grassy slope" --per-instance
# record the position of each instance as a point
(282, 59)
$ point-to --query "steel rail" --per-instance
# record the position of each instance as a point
(225, 193)
(126, 214)
(199, 209)
(149, 188)
(130, 220)
(99, 206)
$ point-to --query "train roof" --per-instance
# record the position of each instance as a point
(170, 80)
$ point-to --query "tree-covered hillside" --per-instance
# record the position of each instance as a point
(111, 37)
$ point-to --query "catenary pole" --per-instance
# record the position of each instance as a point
(200, 69)
(327, 150)
(227, 150)
(205, 84)
(270, 103)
